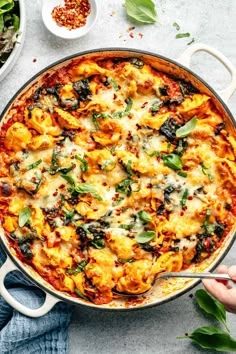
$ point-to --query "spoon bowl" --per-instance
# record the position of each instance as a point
(64, 32)
(166, 275)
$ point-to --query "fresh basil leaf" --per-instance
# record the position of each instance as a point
(182, 35)
(97, 196)
(129, 105)
(24, 216)
(6, 6)
(125, 186)
(184, 198)
(212, 338)
(69, 179)
(187, 128)
(80, 294)
(144, 216)
(1, 23)
(78, 269)
(173, 161)
(145, 236)
(126, 226)
(33, 165)
(141, 10)
(211, 306)
(16, 22)
(182, 174)
(176, 25)
(85, 188)
(84, 164)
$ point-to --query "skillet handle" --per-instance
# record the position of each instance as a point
(186, 56)
(48, 304)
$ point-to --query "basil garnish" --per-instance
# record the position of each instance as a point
(145, 236)
(182, 35)
(33, 165)
(211, 306)
(187, 128)
(144, 216)
(141, 10)
(173, 161)
(212, 338)
(84, 164)
(85, 188)
(24, 216)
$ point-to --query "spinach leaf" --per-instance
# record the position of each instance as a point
(212, 338)
(82, 88)
(211, 306)
(173, 161)
(145, 236)
(187, 128)
(137, 62)
(168, 129)
(141, 10)
(24, 216)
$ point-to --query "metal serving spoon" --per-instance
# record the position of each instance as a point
(166, 275)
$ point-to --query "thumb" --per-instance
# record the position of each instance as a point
(232, 272)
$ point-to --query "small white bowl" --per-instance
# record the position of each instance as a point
(11, 60)
(63, 32)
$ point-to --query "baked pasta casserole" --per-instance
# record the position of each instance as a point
(111, 172)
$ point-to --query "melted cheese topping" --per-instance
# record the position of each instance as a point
(100, 192)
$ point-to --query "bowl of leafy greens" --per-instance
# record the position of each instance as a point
(12, 33)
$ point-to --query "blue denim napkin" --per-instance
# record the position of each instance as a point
(24, 335)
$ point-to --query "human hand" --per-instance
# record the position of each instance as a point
(222, 290)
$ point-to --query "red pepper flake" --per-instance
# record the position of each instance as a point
(140, 35)
(34, 60)
(131, 35)
(131, 29)
(72, 15)
(190, 198)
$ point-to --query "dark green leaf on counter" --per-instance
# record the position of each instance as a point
(212, 338)
(142, 11)
(211, 306)
(24, 216)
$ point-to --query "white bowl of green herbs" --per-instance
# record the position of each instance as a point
(12, 33)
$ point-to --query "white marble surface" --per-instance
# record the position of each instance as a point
(212, 22)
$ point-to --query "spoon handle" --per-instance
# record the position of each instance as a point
(194, 275)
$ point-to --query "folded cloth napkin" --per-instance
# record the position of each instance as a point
(24, 335)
